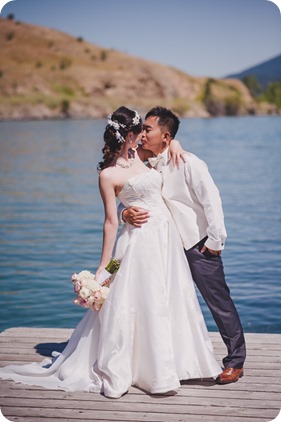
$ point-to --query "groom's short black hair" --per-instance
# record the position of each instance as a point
(166, 118)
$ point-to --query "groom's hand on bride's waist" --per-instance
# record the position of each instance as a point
(135, 216)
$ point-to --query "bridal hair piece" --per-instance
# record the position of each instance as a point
(116, 125)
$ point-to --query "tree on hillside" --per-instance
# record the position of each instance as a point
(273, 94)
(252, 84)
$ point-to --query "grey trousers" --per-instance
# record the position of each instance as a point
(208, 274)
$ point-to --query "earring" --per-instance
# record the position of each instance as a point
(130, 141)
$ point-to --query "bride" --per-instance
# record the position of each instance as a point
(150, 331)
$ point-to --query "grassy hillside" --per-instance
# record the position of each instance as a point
(45, 73)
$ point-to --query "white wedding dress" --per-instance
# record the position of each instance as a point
(150, 331)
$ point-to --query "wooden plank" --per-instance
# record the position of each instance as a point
(32, 354)
(254, 362)
(137, 411)
(251, 338)
(190, 388)
(251, 355)
(63, 416)
(64, 400)
(20, 390)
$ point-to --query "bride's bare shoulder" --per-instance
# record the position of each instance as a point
(108, 174)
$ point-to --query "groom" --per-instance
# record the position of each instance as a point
(194, 202)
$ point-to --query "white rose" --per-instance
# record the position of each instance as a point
(95, 286)
(104, 292)
(84, 293)
(91, 300)
(86, 278)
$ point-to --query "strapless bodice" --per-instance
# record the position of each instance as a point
(143, 190)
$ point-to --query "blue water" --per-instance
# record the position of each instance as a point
(51, 215)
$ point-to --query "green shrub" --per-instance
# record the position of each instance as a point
(180, 106)
(273, 94)
(63, 90)
(38, 64)
(79, 39)
(65, 105)
(10, 36)
(103, 55)
(65, 63)
(252, 84)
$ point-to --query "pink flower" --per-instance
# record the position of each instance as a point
(84, 303)
(76, 301)
(77, 286)
(74, 277)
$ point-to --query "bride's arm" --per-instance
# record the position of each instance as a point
(110, 226)
(176, 152)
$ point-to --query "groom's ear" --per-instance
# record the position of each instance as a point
(167, 137)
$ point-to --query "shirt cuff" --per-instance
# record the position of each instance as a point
(215, 245)
(121, 216)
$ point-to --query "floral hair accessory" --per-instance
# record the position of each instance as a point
(116, 125)
(136, 119)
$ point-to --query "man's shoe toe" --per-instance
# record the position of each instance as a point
(230, 375)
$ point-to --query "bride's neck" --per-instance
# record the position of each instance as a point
(124, 153)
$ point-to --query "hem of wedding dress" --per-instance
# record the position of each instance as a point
(113, 396)
(163, 390)
(216, 374)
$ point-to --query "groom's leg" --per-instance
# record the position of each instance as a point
(208, 274)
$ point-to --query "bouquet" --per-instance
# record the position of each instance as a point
(89, 290)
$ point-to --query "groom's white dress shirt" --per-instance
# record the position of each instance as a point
(193, 200)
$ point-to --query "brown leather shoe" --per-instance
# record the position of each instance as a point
(230, 375)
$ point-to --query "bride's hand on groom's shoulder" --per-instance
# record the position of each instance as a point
(135, 216)
(176, 153)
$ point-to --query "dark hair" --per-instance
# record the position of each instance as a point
(125, 118)
(166, 118)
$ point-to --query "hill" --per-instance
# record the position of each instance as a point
(45, 73)
(265, 73)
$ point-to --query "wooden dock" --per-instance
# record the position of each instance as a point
(254, 398)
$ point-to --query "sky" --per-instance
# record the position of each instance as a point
(200, 37)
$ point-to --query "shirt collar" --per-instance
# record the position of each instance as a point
(165, 155)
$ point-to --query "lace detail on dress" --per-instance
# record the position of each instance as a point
(142, 190)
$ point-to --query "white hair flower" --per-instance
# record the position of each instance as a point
(136, 119)
(117, 125)
(119, 137)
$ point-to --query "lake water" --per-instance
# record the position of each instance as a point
(51, 214)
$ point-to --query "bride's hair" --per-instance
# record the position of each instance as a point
(120, 123)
